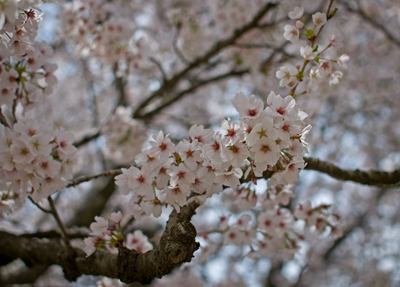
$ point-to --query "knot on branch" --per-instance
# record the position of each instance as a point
(177, 246)
(179, 242)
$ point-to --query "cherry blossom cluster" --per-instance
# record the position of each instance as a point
(274, 233)
(101, 28)
(107, 236)
(290, 76)
(125, 136)
(35, 161)
(265, 139)
(25, 70)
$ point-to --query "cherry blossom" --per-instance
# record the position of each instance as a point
(248, 108)
(297, 13)
(319, 19)
(291, 33)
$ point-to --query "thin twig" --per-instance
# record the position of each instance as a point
(87, 139)
(214, 50)
(178, 52)
(59, 223)
(192, 89)
(38, 206)
(89, 178)
(158, 64)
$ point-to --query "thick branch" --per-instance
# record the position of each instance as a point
(371, 177)
(177, 245)
(72, 234)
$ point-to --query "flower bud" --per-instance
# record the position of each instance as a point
(299, 24)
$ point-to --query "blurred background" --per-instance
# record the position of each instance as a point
(129, 68)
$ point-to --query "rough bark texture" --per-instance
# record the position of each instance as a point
(177, 245)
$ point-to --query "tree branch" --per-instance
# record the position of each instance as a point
(87, 139)
(169, 84)
(90, 177)
(177, 245)
(193, 88)
(374, 23)
(3, 119)
(175, 45)
(371, 177)
(72, 234)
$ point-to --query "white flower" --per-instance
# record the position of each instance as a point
(152, 207)
(235, 154)
(343, 59)
(162, 146)
(266, 150)
(212, 151)
(265, 129)
(281, 107)
(162, 175)
(335, 39)
(99, 227)
(248, 108)
(39, 144)
(46, 166)
(181, 175)
(140, 180)
(299, 24)
(234, 236)
(234, 132)
(335, 76)
(297, 13)
(9, 79)
(266, 220)
(314, 75)
(64, 140)
(189, 153)
(319, 18)
(306, 212)
(243, 221)
(291, 173)
(175, 197)
(229, 178)
(286, 74)
(21, 153)
(307, 53)
(89, 246)
(116, 217)
(138, 241)
(145, 158)
(203, 136)
(291, 33)
(325, 68)
(7, 138)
